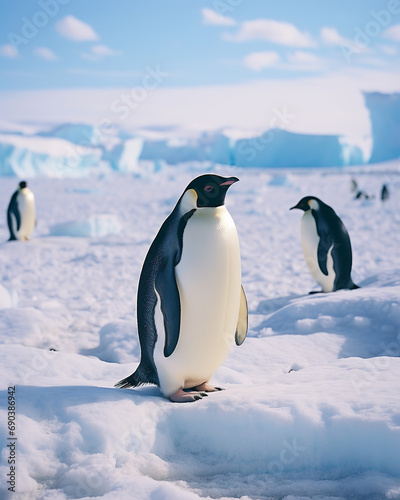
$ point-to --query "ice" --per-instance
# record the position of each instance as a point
(26, 156)
(211, 147)
(96, 226)
(278, 148)
(384, 111)
(310, 407)
(125, 155)
(80, 134)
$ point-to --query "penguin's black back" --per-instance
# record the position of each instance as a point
(13, 210)
(331, 230)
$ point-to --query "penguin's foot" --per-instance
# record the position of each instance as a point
(180, 396)
(315, 291)
(207, 388)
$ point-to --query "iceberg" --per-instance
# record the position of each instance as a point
(32, 156)
(77, 133)
(213, 147)
(279, 148)
(384, 110)
(124, 156)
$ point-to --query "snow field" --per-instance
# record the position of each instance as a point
(311, 407)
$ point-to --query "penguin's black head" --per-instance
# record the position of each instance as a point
(307, 203)
(209, 190)
(22, 185)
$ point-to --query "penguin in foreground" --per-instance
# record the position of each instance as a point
(326, 245)
(21, 216)
(190, 302)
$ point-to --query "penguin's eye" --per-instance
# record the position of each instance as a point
(209, 189)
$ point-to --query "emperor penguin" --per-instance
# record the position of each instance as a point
(326, 245)
(191, 305)
(21, 216)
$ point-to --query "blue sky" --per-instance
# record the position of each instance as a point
(105, 44)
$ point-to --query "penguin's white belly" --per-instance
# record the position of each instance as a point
(309, 243)
(26, 208)
(209, 282)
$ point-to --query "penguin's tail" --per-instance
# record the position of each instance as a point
(131, 381)
(140, 377)
(353, 286)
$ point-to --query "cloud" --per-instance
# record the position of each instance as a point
(45, 53)
(98, 52)
(303, 61)
(393, 33)
(8, 50)
(260, 60)
(388, 50)
(273, 31)
(212, 17)
(74, 29)
(304, 57)
(331, 36)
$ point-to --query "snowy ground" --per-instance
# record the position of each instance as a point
(311, 407)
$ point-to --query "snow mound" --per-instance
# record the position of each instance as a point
(95, 226)
(118, 343)
(27, 326)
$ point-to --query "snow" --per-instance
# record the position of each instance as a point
(95, 225)
(310, 408)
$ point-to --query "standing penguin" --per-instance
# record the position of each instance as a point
(21, 216)
(190, 302)
(326, 245)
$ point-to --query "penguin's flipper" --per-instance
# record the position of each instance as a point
(324, 245)
(241, 329)
(170, 305)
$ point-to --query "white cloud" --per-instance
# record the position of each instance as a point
(74, 29)
(8, 50)
(273, 31)
(260, 60)
(389, 50)
(45, 53)
(393, 33)
(331, 36)
(98, 52)
(305, 58)
(212, 17)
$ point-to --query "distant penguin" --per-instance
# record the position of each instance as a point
(326, 245)
(190, 302)
(21, 216)
(384, 193)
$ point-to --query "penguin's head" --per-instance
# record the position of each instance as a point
(22, 184)
(308, 203)
(208, 190)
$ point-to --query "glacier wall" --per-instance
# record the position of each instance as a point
(384, 111)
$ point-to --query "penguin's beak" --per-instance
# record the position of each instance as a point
(296, 206)
(230, 181)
